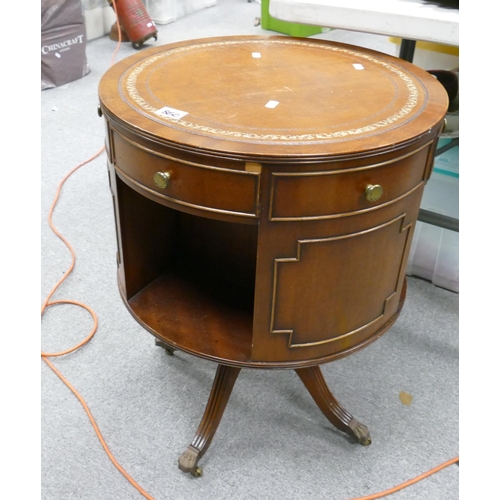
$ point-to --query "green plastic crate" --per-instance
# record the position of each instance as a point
(293, 29)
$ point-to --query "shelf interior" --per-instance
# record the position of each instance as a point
(198, 312)
(190, 280)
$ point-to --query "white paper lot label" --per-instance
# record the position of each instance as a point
(272, 104)
(172, 113)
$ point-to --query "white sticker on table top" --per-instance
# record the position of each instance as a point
(167, 112)
(272, 104)
(358, 66)
(256, 55)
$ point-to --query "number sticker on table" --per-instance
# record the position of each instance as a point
(171, 113)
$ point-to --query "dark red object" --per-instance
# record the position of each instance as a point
(135, 21)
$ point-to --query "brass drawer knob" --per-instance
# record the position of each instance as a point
(373, 192)
(161, 179)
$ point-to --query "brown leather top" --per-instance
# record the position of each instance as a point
(276, 96)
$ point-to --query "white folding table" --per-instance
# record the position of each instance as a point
(410, 20)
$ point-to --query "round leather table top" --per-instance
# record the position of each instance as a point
(277, 96)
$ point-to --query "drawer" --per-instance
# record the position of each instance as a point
(203, 187)
(336, 193)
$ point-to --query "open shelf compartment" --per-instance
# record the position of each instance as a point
(189, 280)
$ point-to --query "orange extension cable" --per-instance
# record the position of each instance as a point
(408, 483)
(45, 355)
(48, 303)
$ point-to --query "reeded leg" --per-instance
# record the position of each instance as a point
(221, 390)
(168, 350)
(316, 385)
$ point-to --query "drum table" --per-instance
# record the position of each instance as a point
(266, 190)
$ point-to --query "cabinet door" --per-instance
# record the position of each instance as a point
(335, 285)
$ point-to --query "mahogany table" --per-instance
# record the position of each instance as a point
(266, 190)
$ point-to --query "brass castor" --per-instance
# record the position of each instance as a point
(360, 432)
(188, 462)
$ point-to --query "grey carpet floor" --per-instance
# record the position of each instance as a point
(273, 442)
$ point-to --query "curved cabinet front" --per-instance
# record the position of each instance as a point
(336, 256)
(264, 215)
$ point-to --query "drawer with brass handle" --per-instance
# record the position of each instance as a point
(327, 194)
(193, 185)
